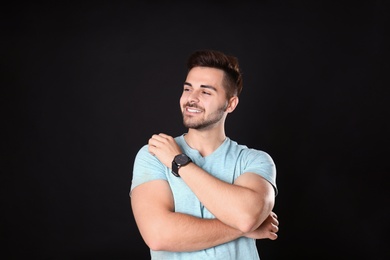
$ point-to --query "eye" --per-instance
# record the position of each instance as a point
(206, 93)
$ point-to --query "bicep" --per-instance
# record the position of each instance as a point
(259, 185)
(149, 202)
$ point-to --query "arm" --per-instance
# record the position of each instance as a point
(245, 204)
(163, 229)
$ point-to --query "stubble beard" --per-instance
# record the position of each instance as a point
(204, 123)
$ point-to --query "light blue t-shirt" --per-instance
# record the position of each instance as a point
(226, 163)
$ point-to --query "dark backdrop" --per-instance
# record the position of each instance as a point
(85, 85)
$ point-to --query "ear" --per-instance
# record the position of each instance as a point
(233, 102)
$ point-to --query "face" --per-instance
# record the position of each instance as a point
(203, 101)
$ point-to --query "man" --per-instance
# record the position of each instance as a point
(201, 195)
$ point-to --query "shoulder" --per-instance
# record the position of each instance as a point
(180, 139)
(259, 162)
(251, 156)
(252, 152)
(144, 158)
(247, 151)
(143, 151)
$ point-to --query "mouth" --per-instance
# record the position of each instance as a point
(193, 110)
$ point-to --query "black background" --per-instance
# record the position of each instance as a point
(85, 85)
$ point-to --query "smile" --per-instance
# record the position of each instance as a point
(193, 110)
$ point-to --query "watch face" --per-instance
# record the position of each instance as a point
(181, 159)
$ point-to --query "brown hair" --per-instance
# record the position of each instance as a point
(219, 60)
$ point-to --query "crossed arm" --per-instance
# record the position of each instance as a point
(241, 209)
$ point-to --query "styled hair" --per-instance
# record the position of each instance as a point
(219, 60)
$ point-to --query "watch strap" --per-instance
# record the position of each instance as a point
(175, 169)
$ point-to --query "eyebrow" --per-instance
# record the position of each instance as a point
(202, 86)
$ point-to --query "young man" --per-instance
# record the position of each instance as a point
(201, 195)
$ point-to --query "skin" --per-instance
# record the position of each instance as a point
(204, 108)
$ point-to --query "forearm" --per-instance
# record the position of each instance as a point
(243, 208)
(181, 232)
(243, 205)
(164, 229)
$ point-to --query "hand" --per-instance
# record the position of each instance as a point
(267, 229)
(164, 147)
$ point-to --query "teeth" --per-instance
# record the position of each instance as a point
(193, 110)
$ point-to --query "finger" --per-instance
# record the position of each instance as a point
(151, 148)
(152, 142)
(275, 228)
(166, 138)
(161, 138)
(275, 222)
(153, 145)
(156, 139)
(164, 135)
(273, 236)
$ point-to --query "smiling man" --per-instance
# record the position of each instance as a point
(201, 195)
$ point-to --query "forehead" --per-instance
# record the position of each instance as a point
(205, 76)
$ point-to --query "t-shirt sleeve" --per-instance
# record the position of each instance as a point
(146, 168)
(261, 163)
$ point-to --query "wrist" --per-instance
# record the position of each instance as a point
(179, 161)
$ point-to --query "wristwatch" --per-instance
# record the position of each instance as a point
(180, 160)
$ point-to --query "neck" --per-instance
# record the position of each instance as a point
(205, 141)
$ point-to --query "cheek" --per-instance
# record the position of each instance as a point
(182, 101)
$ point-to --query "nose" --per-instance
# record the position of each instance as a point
(193, 97)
